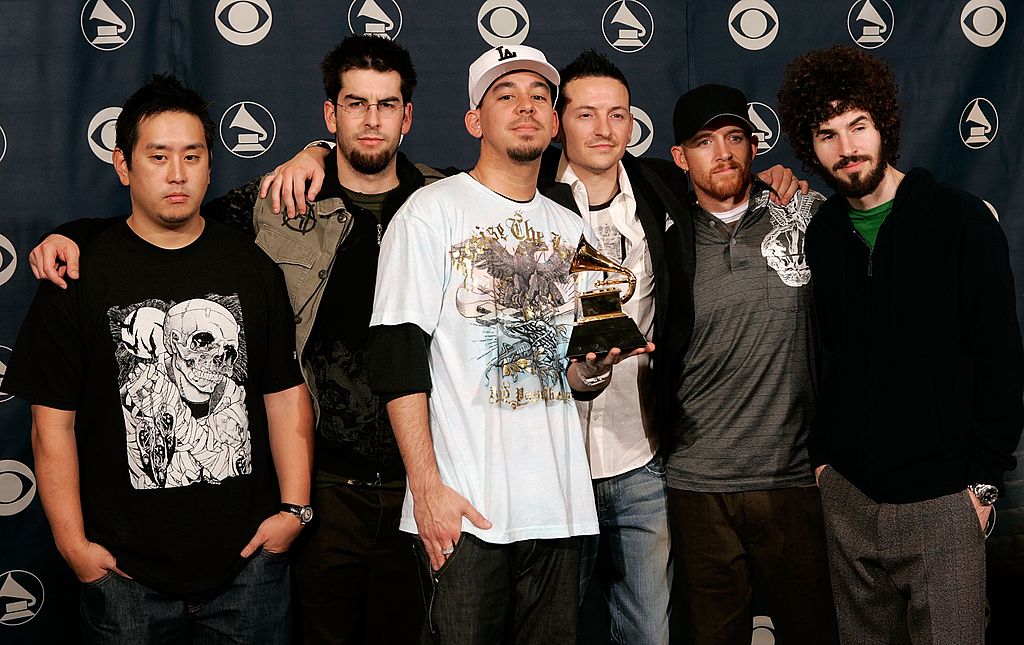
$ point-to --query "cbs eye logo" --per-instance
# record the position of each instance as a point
(107, 24)
(17, 487)
(243, 22)
(753, 24)
(103, 133)
(503, 22)
(8, 264)
(983, 21)
(643, 132)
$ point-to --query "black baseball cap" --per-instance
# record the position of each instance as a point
(702, 105)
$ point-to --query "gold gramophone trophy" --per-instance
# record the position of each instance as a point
(602, 325)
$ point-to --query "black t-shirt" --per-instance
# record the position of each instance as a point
(354, 435)
(165, 356)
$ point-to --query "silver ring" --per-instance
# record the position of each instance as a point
(450, 550)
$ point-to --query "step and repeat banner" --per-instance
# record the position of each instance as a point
(68, 65)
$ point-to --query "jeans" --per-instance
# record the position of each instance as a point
(630, 559)
(254, 608)
(356, 576)
(519, 593)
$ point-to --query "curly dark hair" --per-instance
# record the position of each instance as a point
(825, 83)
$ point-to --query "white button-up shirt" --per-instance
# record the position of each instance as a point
(618, 431)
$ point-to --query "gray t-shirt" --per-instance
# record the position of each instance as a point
(747, 391)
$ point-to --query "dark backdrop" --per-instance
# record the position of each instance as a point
(66, 65)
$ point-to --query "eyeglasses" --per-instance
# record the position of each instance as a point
(358, 109)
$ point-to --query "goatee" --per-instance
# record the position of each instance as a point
(859, 184)
(525, 153)
(371, 163)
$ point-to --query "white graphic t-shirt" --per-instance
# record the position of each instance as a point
(488, 278)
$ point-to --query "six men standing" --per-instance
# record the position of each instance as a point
(471, 307)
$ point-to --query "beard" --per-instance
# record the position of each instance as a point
(859, 184)
(723, 188)
(368, 163)
(524, 153)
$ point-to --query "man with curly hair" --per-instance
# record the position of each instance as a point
(920, 407)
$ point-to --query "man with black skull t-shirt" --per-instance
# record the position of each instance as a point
(171, 429)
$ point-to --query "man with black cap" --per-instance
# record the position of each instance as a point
(473, 306)
(744, 513)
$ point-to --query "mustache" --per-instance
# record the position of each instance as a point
(526, 120)
(852, 159)
(726, 166)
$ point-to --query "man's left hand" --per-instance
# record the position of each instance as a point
(979, 508)
(275, 534)
(784, 183)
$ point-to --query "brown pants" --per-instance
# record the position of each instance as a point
(729, 546)
(356, 575)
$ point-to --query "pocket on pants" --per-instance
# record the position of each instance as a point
(966, 495)
(436, 575)
(93, 584)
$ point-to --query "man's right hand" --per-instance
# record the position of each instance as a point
(817, 473)
(286, 184)
(55, 257)
(439, 511)
(90, 562)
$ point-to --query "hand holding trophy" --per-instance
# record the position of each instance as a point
(602, 325)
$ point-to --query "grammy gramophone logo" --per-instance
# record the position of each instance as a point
(21, 597)
(628, 25)
(870, 23)
(247, 129)
(375, 18)
(107, 24)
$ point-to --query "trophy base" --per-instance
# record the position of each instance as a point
(599, 336)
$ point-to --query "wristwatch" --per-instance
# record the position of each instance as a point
(304, 513)
(987, 494)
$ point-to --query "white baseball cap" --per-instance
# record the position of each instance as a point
(495, 63)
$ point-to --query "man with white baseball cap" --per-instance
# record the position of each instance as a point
(472, 312)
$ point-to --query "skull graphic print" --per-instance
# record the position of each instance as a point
(181, 372)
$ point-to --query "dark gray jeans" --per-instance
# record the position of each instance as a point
(254, 609)
(520, 593)
(904, 573)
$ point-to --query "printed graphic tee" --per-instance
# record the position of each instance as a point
(488, 279)
(165, 356)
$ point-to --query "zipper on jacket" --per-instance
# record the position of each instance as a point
(380, 232)
(871, 251)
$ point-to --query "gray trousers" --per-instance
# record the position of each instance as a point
(904, 573)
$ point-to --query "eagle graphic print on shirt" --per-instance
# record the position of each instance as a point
(515, 284)
(181, 375)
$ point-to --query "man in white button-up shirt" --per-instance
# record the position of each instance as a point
(633, 212)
